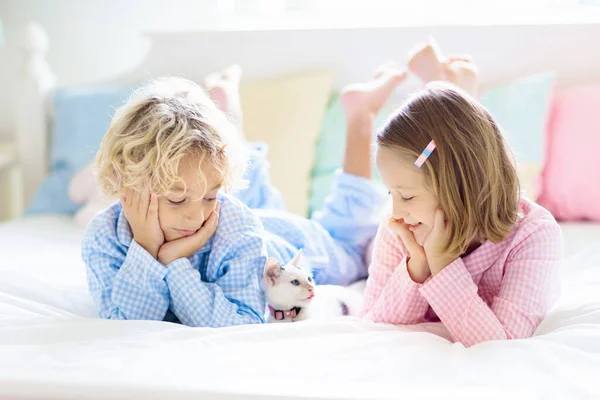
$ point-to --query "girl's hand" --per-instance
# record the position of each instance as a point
(187, 246)
(435, 242)
(417, 265)
(141, 211)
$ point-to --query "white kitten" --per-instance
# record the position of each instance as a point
(292, 295)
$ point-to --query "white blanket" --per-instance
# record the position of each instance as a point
(52, 346)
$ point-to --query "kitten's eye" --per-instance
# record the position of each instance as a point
(295, 282)
(310, 279)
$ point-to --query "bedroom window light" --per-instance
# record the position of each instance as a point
(277, 14)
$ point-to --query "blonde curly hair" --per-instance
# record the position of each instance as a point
(163, 122)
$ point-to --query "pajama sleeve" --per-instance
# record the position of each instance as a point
(127, 285)
(529, 285)
(235, 298)
(391, 296)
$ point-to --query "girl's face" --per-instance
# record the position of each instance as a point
(182, 214)
(413, 201)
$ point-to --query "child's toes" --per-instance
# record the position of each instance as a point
(211, 80)
(371, 95)
(227, 77)
(383, 69)
(223, 89)
(218, 95)
(425, 60)
(461, 57)
(463, 74)
(395, 76)
(232, 73)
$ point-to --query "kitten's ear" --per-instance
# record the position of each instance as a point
(272, 271)
(297, 260)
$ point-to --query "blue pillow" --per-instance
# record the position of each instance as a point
(81, 118)
(521, 109)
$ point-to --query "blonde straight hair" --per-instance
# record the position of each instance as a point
(471, 171)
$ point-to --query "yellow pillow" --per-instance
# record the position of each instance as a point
(528, 174)
(286, 113)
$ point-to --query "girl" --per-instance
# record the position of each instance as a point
(178, 247)
(461, 245)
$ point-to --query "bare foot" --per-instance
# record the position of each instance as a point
(224, 89)
(367, 98)
(428, 63)
(362, 102)
(462, 71)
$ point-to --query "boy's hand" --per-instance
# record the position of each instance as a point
(141, 211)
(187, 246)
(417, 265)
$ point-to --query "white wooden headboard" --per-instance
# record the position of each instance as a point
(502, 53)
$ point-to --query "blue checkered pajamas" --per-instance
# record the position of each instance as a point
(334, 239)
(220, 284)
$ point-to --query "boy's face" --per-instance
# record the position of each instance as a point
(182, 214)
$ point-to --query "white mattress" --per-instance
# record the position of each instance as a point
(52, 346)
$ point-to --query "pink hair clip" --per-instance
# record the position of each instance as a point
(425, 154)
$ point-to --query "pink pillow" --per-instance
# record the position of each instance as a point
(570, 180)
(84, 189)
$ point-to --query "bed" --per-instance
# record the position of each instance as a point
(52, 345)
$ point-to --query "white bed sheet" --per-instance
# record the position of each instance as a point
(52, 346)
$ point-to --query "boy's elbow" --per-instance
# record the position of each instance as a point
(115, 314)
(241, 317)
(254, 318)
(247, 317)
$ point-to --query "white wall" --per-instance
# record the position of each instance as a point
(89, 39)
(93, 40)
